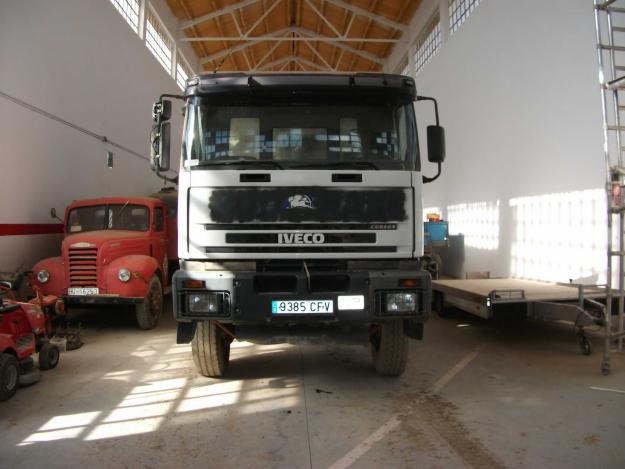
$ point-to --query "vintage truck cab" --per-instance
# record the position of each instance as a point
(115, 251)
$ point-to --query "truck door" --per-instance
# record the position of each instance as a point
(159, 240)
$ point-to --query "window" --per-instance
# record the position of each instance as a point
(129, 9)
(428, 43)
(108, 217)
(182, 72)
(459, 11)
(158, 40)
(158, 219)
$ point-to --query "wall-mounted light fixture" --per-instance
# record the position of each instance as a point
(109, 159)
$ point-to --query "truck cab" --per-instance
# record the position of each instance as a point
(115, 250)
(300, 213)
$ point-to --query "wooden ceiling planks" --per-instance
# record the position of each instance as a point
(313, 33)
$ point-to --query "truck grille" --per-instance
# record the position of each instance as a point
(83, 270)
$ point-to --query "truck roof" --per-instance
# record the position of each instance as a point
(149, 201)
(344, 87)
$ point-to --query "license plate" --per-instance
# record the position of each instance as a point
(83, 291)
(302, 307)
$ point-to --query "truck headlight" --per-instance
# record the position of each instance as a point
(123, 275)
(204, 302)
(401, 302)
(43, 276)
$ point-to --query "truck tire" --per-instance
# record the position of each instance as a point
(389, 348)
(9, 376)
(49, 355)
(211, 349)
(148, 312)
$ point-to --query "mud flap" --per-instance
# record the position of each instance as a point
(185, 332)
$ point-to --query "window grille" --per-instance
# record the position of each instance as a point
(428, 43)
(129, 9)
(459, 11)
(158, 40)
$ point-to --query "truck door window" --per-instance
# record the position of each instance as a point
(158, 219)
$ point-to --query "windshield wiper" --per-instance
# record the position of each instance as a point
(240, 162)
(338, 164)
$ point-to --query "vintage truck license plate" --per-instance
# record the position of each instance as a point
(302, 307)
(83, 291)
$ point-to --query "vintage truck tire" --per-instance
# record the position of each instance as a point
(49, 355)
(389, 348)
(211, 349)
(149, 311)
(9, 376)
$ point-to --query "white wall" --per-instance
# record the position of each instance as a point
(518, 91)
(77, 59)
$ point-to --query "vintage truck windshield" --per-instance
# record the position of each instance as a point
(372, 136)
(108, 217)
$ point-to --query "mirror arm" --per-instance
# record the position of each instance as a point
(427, 98)
(426, 179)
(173, 180)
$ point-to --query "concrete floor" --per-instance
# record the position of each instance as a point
(476, 394)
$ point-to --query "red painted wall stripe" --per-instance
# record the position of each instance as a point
(19, 229)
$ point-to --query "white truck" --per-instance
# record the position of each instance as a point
(299, 213)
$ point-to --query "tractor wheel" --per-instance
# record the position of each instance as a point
(148, 312)
(49, 355)
(389, 348)
(9, 376)
(211, 349)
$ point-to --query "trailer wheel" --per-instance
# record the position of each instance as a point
(9, 376)
(48, 356)
(389, 348)
(211, 349)
(148, 312)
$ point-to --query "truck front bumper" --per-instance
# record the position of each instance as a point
(75, 300)
(246, 297)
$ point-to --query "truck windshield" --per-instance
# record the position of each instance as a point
(108, 217)
(302, 135)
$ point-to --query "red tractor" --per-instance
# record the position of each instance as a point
(22, 333)
(116, 251)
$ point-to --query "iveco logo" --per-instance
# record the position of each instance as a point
(299, 201)
(301, 238)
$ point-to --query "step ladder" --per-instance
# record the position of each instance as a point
(610, 33)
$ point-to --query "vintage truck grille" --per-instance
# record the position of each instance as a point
(83, 270)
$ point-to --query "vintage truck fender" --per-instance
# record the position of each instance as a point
(141, 268)
(56, 282)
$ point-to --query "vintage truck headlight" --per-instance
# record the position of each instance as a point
(203, 302)
(123, 275)
(405, 302)
(43, 276)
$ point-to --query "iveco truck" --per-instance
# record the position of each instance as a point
(299, 213)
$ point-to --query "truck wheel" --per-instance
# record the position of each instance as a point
(48, 356)
(211, 349)
(9, 376)
(149, 311)
(389, 348)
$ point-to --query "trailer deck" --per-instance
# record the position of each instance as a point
(579, 305)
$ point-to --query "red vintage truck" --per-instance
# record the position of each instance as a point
(115, 251)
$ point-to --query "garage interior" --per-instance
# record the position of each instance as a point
(531, 118)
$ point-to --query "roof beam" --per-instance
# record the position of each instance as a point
(307, 62)
(266, 37)
(367, 55)
(275, 63)
(323, 18)
(261, 18)
(367, 14)
(238, 47)
(217, 13)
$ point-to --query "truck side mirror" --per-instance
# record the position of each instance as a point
(164, 146)
(54, 215)
(166, 110)
(159, 148)
(436, 143)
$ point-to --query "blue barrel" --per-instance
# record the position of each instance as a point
(436, 232)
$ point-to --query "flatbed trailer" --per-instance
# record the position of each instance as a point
(580, 305)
